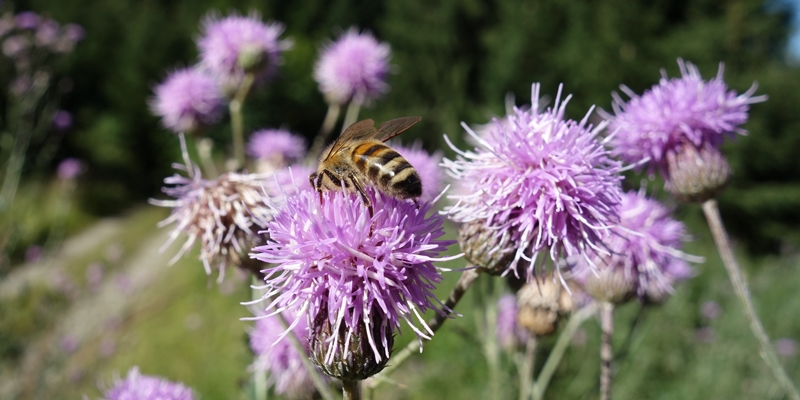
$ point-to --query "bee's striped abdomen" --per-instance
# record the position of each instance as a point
(387, 169)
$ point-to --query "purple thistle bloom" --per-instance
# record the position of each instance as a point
(427, 166)
(225, 214)
(278, 147)
(47, 32)
(143, 387)
(27, 20)
(509, 334)
(187, 100)
(69, 169)
(287, 181)
(13, 46)
(677, 111)
(645, 246)
(339, 266)
(73, 32)
(233, 44)
(62, 120)
(542, 182)
(276, 355)
(356, 65)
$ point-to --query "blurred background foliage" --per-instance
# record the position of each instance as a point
(455, 60)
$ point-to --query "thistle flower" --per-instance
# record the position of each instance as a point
(287, 181)
(356, 65)
(27, 20)
(277, 147)
(235, 44)
(225, 214)
(276, 356)
(677, 112)
(69, 169)
(187, 100)
(355, 276)
(143, 387)
(427, 166)
(645, 254)
(62, 120)
(539, 182)
(509, 334)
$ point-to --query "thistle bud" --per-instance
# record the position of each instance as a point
(611, 285)
(347, 354)
(696, 175)
(490, 250)
(541, 304)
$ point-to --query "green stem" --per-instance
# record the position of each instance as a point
(526, 383)
(351, 390)
(352, 111)
(464, 282)
(325, 131)
(237, 121)
(560, 348)
(743, 293)
(606, 349)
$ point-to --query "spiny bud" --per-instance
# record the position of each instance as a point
(347, 354)
(611, 285)
(491, 250)
(696, 175)
(541, 304)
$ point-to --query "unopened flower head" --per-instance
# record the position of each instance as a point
(644, 250)
(224, 214)
(232, 45)
(188, 100)
(356, 276)
(542, 182)
(427, 166)
(356, 65)
(276, 355)
(278, 147)
(144, 387)
(674, 113)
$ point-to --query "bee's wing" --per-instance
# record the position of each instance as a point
(394, 127)
(360, 130)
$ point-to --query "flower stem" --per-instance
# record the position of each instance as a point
(352, 111)
(464, 282)
(324, 132)
(606, 350)
(560, 348)
(237, 123)
(323, 389)
(743, 293)
(351, 390)
(526, 383)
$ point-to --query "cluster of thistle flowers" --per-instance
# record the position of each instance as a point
(27, 39)
(541, 190)
(345, 278)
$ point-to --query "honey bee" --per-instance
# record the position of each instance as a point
(359, 156)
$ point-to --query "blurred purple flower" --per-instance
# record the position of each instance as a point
(356, 65)
(27, 20)
(427, 166)
(230, 45)
(62, 120)
(69, 344)
(509, 334)
(47, 33)
(542, 182)
(277, 146)
(786, 347)
(187, 100)
(645, 247)
(69, 169)
(73, 32)
(287, 181)
(33, 253)
(13, 46)
(711, 310)
(677, 111)
(276, 355)
(20, 85)
(224, 214)
(358, 274)
(94, 275)
(143, 387)
(705, 334)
